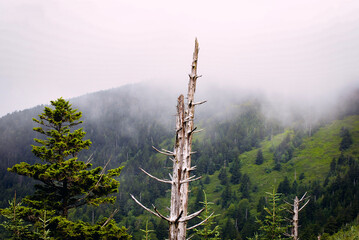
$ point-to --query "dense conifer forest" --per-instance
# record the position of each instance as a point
(246, 150)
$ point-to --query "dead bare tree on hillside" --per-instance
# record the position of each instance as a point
(181, 157)
(295, 212)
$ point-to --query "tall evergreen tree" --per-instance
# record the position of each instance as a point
(230, 231)
(284, 186)
(223, 176)
(347, 140)
(259, 158)
(199, 199)
(66, 182)
(226, 196)
(236, 172)
(245, 186)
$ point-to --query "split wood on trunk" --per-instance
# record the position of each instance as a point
(181, 157)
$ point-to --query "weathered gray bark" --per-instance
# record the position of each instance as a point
(181, 157)
(295, 213)
(295, 218)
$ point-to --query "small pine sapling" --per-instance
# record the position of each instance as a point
(208, 230)
(44, 221)
(147, 232)
(273, 226)
(14, 225)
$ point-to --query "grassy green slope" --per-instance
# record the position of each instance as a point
(318, 151)
(312, 158)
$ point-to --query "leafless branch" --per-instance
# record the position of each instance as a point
(303, 197)
(108, 219)
(89, 159)
(304, 205)
(199, 103)
(158, 179)
(192, 168)
(190, 237)
(149, 210)
(288, 203)
(158, 212)
(104, 168)
(164, 153)
(193, 215)
(198, 131)
(191, 179)
(165, 150)
(194, 226)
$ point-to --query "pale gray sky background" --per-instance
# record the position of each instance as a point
(68, 48)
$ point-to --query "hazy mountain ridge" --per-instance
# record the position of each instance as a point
(124, 123)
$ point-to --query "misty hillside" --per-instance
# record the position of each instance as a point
(302, 151)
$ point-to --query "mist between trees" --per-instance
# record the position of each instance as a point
(304, 147)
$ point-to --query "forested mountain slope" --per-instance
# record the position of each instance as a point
(324, 164)
(242, 154)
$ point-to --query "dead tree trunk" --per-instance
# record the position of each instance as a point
(181, 157)
(295, 218)
(295, 213)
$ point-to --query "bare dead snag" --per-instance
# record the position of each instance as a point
(295, 212)
(109, 219)
(181, 158)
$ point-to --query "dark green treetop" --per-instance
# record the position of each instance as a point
(259, 158)
(55, 124)
(66, 182)
(347, 139)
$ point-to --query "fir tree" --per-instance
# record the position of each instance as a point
(245, 186)
(14, 225)
(66, 182)
(284, 186)
(223, 176)
(273, 226)
(199, 199)
(236, 172)
(259, 158)
(347, 140)
(44, 221)
(147, 232)
(226, 196)
(230, 231)
(210, 230)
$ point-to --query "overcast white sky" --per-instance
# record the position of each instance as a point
(67, 48)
